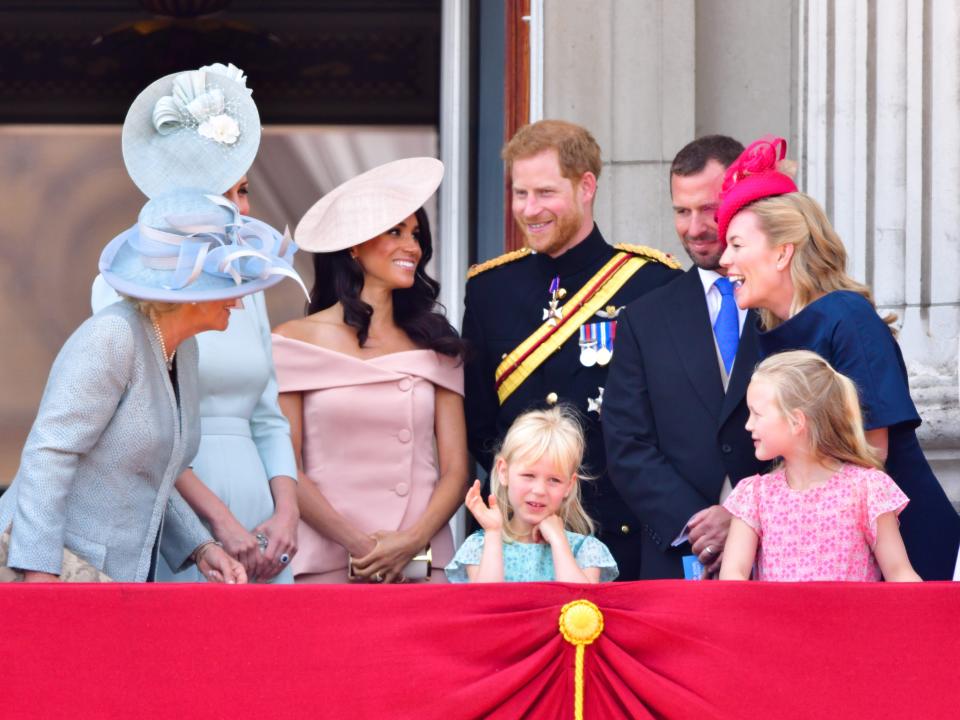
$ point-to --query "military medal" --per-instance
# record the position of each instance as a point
(588, 345)
(610, 312)
(553, 312)
(595, 404)
(605, 334)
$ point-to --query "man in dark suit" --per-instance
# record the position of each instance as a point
(675, 409)
(541, 321)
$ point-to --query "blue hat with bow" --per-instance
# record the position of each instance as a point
(193, 246)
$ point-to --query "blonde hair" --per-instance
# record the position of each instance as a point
(804, 381)
(554, 433)
(151, 308)
(576, 148)
(819, 263)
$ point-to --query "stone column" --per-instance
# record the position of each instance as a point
(879, 136)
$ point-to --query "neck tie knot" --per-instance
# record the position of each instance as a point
(724, 286)
(726, 327)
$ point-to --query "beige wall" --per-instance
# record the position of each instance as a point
(65, 195)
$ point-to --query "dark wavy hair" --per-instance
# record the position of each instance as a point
(339, 278)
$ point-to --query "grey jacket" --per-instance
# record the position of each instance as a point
(98, 468)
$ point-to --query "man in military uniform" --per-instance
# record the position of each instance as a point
(541, 321)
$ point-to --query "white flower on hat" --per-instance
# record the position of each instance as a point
(220, 128)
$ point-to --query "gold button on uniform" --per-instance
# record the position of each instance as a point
(552, 398)
(624, 529)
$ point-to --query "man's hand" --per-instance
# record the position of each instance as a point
(708, 533)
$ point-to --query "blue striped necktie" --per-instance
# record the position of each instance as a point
(726, 328)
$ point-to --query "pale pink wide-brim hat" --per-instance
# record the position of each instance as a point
(369, 204)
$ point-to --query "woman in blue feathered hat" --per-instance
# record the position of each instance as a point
(94, 496)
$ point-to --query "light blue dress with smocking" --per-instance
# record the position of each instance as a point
(245, 438)
(533, 562)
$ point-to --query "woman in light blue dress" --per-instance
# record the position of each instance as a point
(241, 482)
(245, 460)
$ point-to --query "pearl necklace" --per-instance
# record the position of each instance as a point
(163, 345)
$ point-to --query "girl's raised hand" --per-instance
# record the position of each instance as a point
(488, 517)
(550, 529)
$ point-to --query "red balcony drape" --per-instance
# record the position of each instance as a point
(669, 649)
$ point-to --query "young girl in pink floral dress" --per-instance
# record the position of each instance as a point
(827, 511)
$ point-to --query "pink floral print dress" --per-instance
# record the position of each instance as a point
(824, 533)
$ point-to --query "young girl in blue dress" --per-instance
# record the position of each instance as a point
(534, 528)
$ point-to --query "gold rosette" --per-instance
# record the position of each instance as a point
(581, 622)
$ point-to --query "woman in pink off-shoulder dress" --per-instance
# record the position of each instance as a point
(372, 383)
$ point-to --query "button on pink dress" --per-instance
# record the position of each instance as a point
(825, 533)
(368, 443)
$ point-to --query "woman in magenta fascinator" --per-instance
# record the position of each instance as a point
(786, 260)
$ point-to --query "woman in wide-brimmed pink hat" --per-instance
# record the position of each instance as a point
(372, 383)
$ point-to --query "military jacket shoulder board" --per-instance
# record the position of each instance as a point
(497, 261)
(651, 254)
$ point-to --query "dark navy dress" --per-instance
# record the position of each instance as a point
(844, 328)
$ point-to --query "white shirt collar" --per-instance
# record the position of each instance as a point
(708, 278)
(714, 298)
